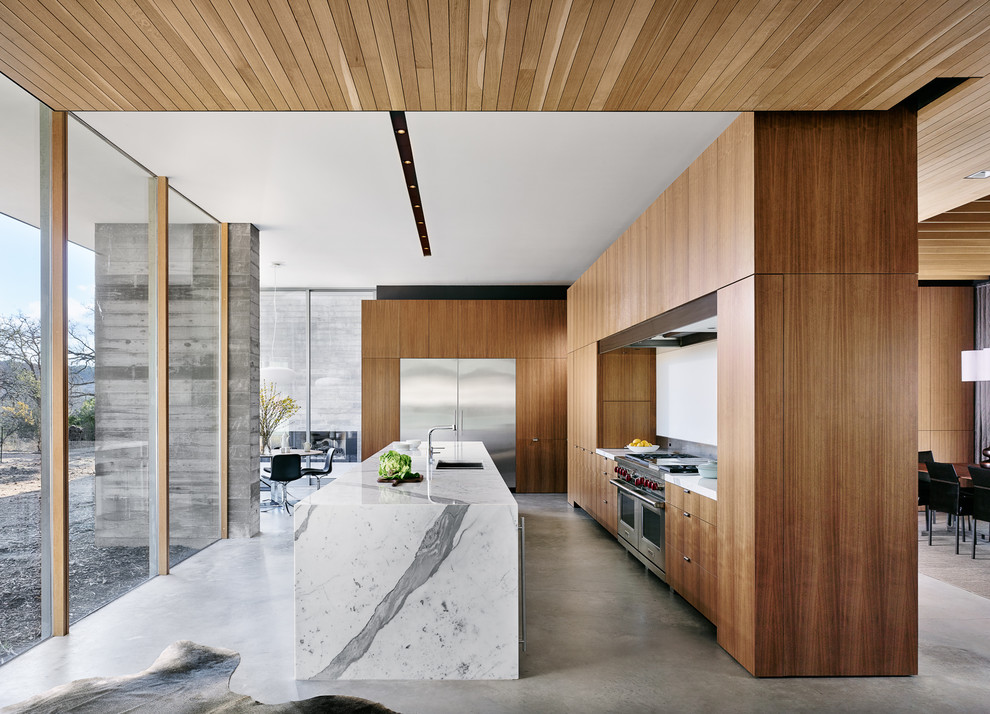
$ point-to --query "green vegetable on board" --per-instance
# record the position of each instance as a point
(393, 465)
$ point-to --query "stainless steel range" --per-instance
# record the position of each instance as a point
(641, 513)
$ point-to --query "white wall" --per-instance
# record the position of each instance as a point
(686, 393)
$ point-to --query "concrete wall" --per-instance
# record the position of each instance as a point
(121, 384)
(243, 383)
(121, 376)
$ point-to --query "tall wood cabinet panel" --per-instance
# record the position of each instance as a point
(624, 421)
(834, 191)
(379, 328)
(815, 271)
(541, 465)
(414, 328)
(541, 393)
(379, 404)
(736, 182)
(487, 328)
(444, 337)
(851, 364)
(541, 327)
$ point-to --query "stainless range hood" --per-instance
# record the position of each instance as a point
(684, 325)
(701, 331)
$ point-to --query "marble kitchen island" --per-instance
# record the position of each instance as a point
(415, 581)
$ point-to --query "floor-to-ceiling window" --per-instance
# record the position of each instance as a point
(320, 367)
(109, 526)
(335, 384)
(193, 385)
(20, 373)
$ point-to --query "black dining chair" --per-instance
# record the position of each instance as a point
(944, 496)
(285, 469)
(323, 473)
(924, 497)
(980, 497)
(925, 457)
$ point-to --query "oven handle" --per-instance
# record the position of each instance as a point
(621, 485)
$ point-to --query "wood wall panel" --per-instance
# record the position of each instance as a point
(951, 332)
(849, 586)
(621, 422)
(925, 352)
(379, 404)
(800, 158)
(949, 446)
(379, 328)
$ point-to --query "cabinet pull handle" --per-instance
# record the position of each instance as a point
(686, 514)
(535, 439)
(686, 559)
(687, 490)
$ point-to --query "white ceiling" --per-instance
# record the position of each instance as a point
(510, 198)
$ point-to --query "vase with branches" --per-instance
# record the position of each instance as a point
(275, 410)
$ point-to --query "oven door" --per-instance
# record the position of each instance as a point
(629, 518)
(652, 538)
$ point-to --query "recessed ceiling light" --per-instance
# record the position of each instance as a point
(401, 131)
(412, 185)
(980, 174)
(415, 205)
(407, 162)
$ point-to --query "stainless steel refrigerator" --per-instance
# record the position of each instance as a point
(479, 395)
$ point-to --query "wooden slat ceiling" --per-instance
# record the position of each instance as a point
(955, 245)
(487, 54)
(546, 55)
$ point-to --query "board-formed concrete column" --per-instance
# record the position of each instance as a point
(244, 347)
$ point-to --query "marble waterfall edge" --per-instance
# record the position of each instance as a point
(390, 586)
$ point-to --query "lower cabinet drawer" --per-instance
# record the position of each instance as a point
(693, 583)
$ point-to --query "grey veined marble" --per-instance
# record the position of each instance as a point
(187, 678)
(399, 583)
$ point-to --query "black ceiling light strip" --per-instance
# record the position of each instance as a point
(401, 132)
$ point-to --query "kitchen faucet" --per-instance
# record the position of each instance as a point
(429, 438)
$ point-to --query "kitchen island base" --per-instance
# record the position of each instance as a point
(418, 581)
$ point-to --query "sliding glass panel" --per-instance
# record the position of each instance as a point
(109, 525)
(283, 357)
(335, 333)
(20, 371)
(194, 376)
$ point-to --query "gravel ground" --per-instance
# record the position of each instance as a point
(96, 575)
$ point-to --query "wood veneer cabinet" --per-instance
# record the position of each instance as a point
(692, 548)
(816, 277)
(533, 332)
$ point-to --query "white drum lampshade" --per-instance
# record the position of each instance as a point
(976, 365)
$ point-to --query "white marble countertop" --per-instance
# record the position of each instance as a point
(703, 486)
(359, 484)
(612, 453)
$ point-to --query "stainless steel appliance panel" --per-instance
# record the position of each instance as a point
(427, 396)
(479, 395)
(486, 402)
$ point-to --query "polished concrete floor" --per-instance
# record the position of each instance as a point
(604, 636)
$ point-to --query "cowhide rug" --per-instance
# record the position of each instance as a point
(187, 678)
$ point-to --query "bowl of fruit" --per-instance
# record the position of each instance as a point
(641, 446)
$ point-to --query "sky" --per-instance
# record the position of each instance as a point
(20, 273)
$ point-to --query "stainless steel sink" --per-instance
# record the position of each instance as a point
(456, 465)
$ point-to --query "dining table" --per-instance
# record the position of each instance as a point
(961, 469)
